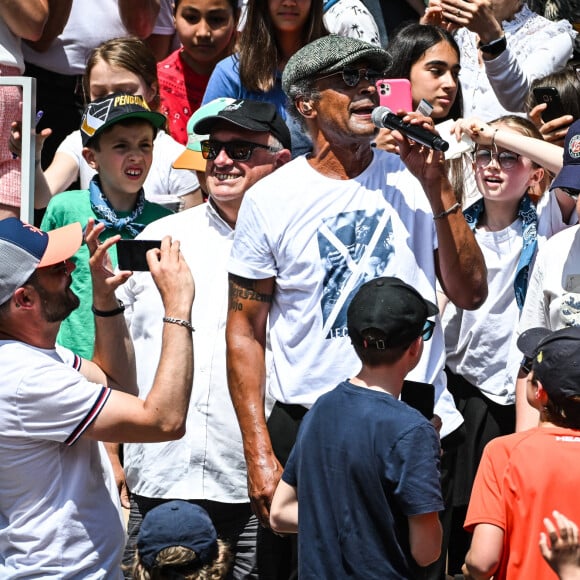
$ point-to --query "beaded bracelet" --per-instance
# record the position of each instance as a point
(447, 211)
(179, 321)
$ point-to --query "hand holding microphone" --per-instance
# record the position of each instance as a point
(384, 118)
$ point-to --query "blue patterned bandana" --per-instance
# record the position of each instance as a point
(527, 213)
(102, 208)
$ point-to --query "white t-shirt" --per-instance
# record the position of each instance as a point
(322, 238)
(164, 185)
(88, 24)
(481, 344)
(553, 298)
(57, 516)
(352, 18)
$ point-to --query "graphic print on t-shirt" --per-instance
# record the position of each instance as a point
(354, 247)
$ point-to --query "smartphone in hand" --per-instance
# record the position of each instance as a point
(131, 254)
(395, 94)
(420, 396)
(551, 97)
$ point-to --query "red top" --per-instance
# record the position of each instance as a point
(181, 90)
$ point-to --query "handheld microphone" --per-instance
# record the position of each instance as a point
(384, 118)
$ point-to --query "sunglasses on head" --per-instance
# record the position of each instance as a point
(235, 150)
(352, 76)
(505, 159)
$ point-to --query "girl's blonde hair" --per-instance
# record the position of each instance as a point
(177, 562)
(528, 129)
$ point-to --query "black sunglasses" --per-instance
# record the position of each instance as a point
(235, 150)
(526, 364)
(572, 192)
(352, 76)
(428, 329)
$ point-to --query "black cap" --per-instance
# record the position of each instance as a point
(391, 306)
(251, 115)
(555, 359)
(102, 113)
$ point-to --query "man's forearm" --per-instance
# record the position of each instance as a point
(114, 352)
(460, 265)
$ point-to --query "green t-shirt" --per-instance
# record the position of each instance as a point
(77, 332)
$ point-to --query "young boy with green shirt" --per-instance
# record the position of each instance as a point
(117, 132)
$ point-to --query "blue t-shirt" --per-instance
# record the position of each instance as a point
(362, 464)
(225, 82)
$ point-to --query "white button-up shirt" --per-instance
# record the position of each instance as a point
(208, 462)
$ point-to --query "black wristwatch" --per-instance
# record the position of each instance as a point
(494, 47)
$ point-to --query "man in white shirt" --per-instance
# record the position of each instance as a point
(57, 513)
(246, 140)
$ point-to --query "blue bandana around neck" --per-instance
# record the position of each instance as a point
(107, 215)
(527, 213)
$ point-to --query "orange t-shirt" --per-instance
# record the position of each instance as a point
(521, 479)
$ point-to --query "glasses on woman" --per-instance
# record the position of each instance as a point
(235, 150)
(428, 329)
(505, 159)
(352, 76)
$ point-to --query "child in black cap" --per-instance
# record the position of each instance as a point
(117, 133)
(177, 539)
(361, 486)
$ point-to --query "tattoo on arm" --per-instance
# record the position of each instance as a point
(244, 289)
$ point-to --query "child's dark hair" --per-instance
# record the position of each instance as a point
(95, 142)
(233, 4)
(372, 356)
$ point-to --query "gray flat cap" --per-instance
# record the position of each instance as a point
(330, 54)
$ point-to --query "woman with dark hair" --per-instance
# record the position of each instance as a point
(429, 57)
(272, 33)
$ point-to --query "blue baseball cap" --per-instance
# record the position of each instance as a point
(569, 175)
(177, 523)
(555, 359)
(23, 248)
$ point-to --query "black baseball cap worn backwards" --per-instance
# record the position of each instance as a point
(251, 115)
(104, 112)
(555, 359)
(390, 305)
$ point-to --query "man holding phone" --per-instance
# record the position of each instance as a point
(243, 142)
(57, 512)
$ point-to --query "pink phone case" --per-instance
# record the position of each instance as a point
(395, 94)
